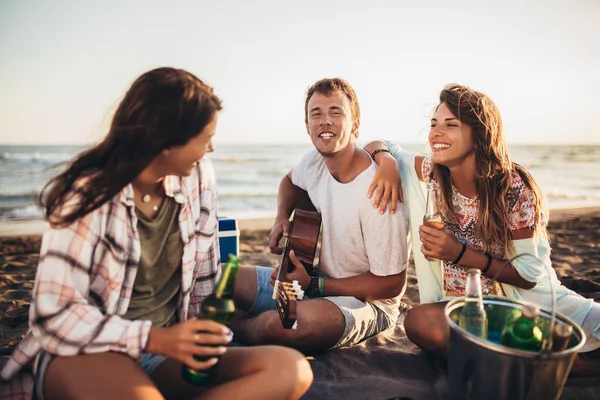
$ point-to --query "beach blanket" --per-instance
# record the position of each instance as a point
(390, 366)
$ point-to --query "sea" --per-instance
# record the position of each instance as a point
(248, 175)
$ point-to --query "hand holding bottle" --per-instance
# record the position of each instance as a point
(199, 337)
(439, 244)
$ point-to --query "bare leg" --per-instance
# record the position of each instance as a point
(98, 376)
(426, 326)
(267, 372)
(320, 326)
(245, 287)
(586, 364)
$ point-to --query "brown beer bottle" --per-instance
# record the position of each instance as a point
(219, 307)
(560, 336)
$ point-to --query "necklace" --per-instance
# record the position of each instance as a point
(146, 199)
(461, 199)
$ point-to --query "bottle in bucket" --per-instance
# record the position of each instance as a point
(473, 318)
(220, 307)
(561, 335)
(523, 333)
(433, 217)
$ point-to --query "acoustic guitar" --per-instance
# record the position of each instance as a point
(303, 238)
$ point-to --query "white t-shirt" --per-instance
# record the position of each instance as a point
(355, 238)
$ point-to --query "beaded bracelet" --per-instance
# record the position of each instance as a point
(379, 151)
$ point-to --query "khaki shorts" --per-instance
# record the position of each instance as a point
(362, 318)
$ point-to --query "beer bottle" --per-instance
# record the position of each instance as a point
(220, 307)
(433, 217)
(473, 317)
(561, 335)
(523, 333)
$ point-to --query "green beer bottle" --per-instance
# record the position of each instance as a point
(473, 317)
(220, 307)
(523, 333)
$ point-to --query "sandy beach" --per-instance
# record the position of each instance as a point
(575, 236)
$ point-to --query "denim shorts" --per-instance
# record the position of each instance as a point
(148, 362)
(362, 319)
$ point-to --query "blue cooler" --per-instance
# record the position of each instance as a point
(229, 238)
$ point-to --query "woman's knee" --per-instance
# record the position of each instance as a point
(411, 324)
(86, 377)
(426, 326)
(290, 367)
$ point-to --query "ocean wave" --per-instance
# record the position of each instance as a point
(50, 158)
(29, 212)
(10, 200)
(247, 195)
(573, 196)
(238, 160)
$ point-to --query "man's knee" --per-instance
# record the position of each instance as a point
(274, 332)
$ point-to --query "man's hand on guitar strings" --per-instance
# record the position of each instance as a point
(299, 273)
(280, 229)
(274, 276)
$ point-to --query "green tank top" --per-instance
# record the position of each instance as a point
(158, 280)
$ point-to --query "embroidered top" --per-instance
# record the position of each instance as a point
(521, 214)
(87, 271)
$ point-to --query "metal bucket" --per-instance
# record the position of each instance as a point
(482, 369)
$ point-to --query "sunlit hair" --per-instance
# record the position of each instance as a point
(493, 168)
(164, 107)
(330, 86)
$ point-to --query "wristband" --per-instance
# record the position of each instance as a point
(379, 151)
(462, 252)
(488, 265)
(313, 289)
(321, 286)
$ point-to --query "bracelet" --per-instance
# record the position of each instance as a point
(462, 252)
(488, 265)
(379, 151)
(321, 286)
(314, 288)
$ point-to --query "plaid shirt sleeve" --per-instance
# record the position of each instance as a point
(68, 316)
(207, 272)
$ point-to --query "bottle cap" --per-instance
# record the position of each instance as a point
(474, 271)
(530, 311)
(563, 330)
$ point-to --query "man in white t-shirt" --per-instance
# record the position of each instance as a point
(364, 253)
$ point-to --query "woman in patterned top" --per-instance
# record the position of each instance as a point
(131, 253)
(492, 210)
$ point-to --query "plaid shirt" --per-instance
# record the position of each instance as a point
(87, 271)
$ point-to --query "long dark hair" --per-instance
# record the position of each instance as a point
(164, 107)
(493, 167)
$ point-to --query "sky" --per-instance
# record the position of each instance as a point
(65, 65)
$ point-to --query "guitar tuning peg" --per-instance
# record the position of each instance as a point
(298, 290)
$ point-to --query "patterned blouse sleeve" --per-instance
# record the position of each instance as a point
(521, 212)
(426, 169)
